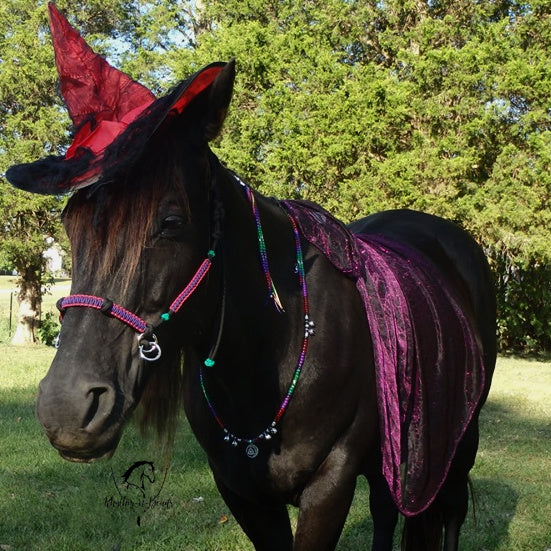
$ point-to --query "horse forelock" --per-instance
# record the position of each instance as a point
(110, 228)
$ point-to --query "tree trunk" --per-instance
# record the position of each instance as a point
(30, 301)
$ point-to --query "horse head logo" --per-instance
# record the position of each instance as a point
(139, 477)
(139, 487)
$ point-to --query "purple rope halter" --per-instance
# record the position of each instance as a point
(105, 306)
(148, 345)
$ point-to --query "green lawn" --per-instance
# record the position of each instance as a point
(49, 504)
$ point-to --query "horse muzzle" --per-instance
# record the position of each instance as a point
(83, 421)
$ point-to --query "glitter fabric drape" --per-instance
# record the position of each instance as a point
(428, 365)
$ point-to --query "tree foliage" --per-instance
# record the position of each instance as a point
(434, 105)
(30, 125)
(360, 105)
(33, 123)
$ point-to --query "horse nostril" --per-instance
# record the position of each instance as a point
(101, 404)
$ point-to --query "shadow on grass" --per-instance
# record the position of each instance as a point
(488, 525)
(506, 430)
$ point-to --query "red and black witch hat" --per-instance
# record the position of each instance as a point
(114, 117)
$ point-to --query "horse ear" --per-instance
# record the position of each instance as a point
(220, 95)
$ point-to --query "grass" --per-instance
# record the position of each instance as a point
(49, 504)
(7, 283)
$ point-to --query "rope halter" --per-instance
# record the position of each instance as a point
(148, 345)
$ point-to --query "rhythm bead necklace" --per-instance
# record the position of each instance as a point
(251, 449)
(272, 292)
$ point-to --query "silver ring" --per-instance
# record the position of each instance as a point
(149, 350)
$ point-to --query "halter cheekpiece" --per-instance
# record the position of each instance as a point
(149, 348)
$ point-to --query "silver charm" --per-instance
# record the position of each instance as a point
(252, 451)
(309, 326)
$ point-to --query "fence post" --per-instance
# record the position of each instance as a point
(11, 310)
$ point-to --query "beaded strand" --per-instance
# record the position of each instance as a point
(272, 292)
(271, 430)
(308, 324)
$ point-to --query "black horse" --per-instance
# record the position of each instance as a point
(268, 346)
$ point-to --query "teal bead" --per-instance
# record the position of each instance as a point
(165, 316)
(209, 362)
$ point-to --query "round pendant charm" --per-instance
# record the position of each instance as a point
(252, 451)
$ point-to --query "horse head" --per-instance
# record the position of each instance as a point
(136, 241)
(140, 223)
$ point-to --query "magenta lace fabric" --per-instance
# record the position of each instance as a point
(429, 369)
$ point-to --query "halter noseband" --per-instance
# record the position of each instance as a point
(148, 345)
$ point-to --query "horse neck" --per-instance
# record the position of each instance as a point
(252, 320)
(258, 345)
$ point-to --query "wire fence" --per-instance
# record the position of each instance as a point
(8, 311)
(9, 307)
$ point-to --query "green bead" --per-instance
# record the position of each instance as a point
(209, 362)
(165, 316)
(211, 254)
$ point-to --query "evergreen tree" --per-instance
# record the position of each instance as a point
(435, 105)
(360, 105)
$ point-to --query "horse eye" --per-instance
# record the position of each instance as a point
(172, 226)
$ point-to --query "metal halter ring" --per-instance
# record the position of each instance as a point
(149, 349)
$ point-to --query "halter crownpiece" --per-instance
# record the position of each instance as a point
(114, 117)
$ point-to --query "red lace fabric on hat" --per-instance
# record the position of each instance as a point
(101, 100)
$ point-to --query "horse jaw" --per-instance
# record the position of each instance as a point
(86, 459)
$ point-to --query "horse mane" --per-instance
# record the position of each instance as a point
(162, 399)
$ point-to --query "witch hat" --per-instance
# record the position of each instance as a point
(114, 117)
